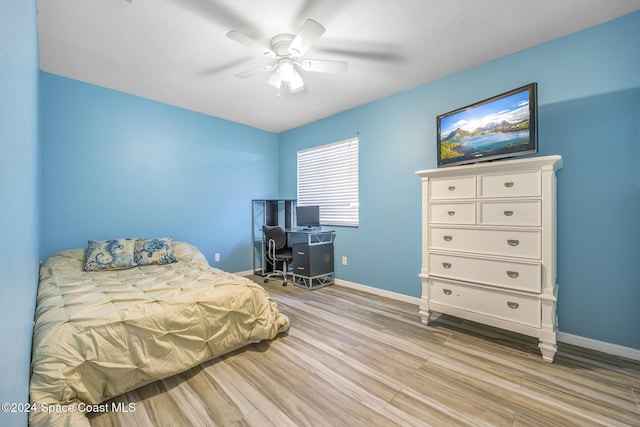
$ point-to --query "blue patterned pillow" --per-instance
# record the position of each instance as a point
(154, 251)
(110, 254)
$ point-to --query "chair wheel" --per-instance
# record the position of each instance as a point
(284, 283)
(266, 280)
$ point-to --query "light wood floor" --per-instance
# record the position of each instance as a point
(356, 359)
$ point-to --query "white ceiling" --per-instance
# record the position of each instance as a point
(177, 52)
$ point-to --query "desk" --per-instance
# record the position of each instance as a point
(312, 256)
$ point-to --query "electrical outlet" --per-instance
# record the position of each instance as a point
(344, 260)
(216, 257)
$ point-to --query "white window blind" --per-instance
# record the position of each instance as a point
(328, 177)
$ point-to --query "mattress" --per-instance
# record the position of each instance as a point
(99, 334)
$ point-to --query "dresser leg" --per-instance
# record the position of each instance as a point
(425, 314)
(548, 351)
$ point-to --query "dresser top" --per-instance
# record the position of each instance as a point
(541, 162)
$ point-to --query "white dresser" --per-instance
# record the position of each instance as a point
(489, 245)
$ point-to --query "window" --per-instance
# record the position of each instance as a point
(328, 176)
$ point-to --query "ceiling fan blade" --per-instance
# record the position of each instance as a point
(250, 43)
(254, 71)
(307, 36)
(324, 66)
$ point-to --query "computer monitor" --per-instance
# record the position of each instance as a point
(308, 216)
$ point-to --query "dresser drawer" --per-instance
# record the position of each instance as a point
(452, 213)
(515, 184)
(526, 213)
(512, 243)
(505, 274)
(463, 187)
(507, 306)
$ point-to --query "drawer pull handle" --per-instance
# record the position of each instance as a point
(513, 242)
(446, 264)
(300, 268)
(452, 188)
(508, 184)
(447, 238)
(508, 213)
(451, 213)
(300, 253)
(513, 274)
(513, 305)
(447, 291)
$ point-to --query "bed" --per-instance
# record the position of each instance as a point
(98, 334)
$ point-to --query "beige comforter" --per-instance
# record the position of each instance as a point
(99, 334)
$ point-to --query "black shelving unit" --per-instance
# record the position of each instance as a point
(280, 212)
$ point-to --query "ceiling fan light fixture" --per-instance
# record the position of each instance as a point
(275, 79)
(287, 71)
(295, 83)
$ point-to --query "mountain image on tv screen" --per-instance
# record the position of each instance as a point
(497, 127)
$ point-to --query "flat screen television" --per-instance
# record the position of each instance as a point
(308, 216)
(498, 127)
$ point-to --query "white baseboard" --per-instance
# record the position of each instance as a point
(379, 292)
(605, 347)
(244, 273)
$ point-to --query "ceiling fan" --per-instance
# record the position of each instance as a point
(286, 50)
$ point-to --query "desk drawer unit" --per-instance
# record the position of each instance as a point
(312, 260)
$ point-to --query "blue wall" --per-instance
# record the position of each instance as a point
(589, 112)
(116, 165)
(18, 199)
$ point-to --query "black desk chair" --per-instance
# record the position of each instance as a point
(277, 251)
